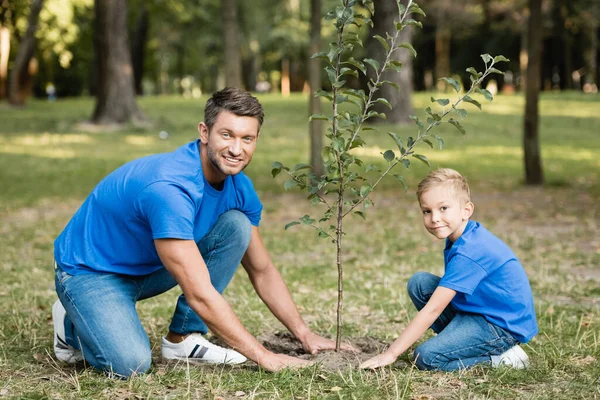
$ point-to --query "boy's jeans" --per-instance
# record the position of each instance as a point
(101, 316)
(462, 339)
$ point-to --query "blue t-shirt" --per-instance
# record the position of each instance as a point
(155, 197)
(490, 281)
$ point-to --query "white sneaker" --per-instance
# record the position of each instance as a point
(514, 357)
(196, 349)
(64, 352)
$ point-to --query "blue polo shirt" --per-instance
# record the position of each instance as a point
(155, 197)
(490, 281)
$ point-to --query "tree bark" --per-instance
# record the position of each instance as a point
(314, 82)
(531, 146)
(115, 98)
(4, 54)
(233, 60)
(401, 100)
(138, 50)
(20, 79)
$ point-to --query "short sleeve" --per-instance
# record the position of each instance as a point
(462, 274)
(248, 201)
(168, 209)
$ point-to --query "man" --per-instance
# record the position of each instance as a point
(184, 218)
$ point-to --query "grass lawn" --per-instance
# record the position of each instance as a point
(48, 166)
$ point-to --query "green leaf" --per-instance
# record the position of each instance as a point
(395, 65)
(371, 167)
(462, 112)
(406, 163)
(360, 214)
(428, 142)
(452, 83)
(440, 142)
(495, 71)
(488, 96)
(301, 166)
(473, 72)
(468, 99)
(389, 155)
(372, 63)
(318, 117)
(457, 125)
(357, 64)
(365, 190)
(326, 153)
(321, 55)
(340, 99)
(322, 234)
(500, 59)
(398, 141)
(291, 224)
(400, 179)
(289, 184)
(322, 93)
(338, 144)
(441, 102)
(384, 101)
(331, 74)
(486, 58)
(410, 48)
(383, 42)
(415, 9)
(422, 158)
(412, 22)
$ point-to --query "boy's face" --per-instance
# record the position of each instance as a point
(443, 214)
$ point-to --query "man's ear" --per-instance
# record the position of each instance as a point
(203, 132)
(468, 210)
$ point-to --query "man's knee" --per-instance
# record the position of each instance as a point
(238, 227)
(129, 364)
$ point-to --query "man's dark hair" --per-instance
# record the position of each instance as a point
(236, 101)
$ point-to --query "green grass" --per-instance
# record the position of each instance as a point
(48, 165)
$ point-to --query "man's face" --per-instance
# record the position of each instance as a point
(443, 215)
(230, 144)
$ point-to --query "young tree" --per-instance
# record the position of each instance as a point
(115, 99)
(531, 146)
(19, 86)
(344, 187)
(314, 81)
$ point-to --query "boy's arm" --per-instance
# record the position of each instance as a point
(438, 302)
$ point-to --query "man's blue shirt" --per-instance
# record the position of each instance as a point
(155, 197)
(490, 281)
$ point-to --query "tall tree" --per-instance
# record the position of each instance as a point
(531, 145)
(233, 60)
(401, 100)
(19, 86)
(314, 81)
(591, 48)
(138, 50)
(115, 99)
(4, 47)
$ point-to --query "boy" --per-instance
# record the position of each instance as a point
(482, 308)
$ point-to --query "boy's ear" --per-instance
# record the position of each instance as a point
(468, 210)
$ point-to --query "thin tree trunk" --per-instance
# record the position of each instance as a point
(523, 55)
(233, 60)
(285, 77)
(20, 77)
(4, 54)
(115, 98)
(314, 81)
(401, 100)
(591, 51)
(531, 146)
(140, 39)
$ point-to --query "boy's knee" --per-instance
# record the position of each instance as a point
(425, 358)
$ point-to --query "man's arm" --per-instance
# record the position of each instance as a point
(185, 263)
(438, 302)
(273, 291)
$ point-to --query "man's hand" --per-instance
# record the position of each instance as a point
(276, 362)
(381, 360)
(313, 343)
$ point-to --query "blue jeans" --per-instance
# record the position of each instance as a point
(463, 339)
(101, 316)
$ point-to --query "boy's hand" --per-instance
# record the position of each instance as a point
(381, 360)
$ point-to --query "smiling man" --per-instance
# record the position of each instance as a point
(184, 218)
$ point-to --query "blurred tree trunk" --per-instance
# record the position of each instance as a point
(4, 54)
(531, 145)
(233, 60)
(523, 55)
(443, 37)
(590, 84)
(401, 100)
(19, 86)
(314, 82)
(140, 38)
(115, 97)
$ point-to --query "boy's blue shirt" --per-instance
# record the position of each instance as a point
(154, 197)
(490, 281)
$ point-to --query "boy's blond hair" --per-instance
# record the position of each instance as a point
(448, 177)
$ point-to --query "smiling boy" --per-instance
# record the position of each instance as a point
(482, 307)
